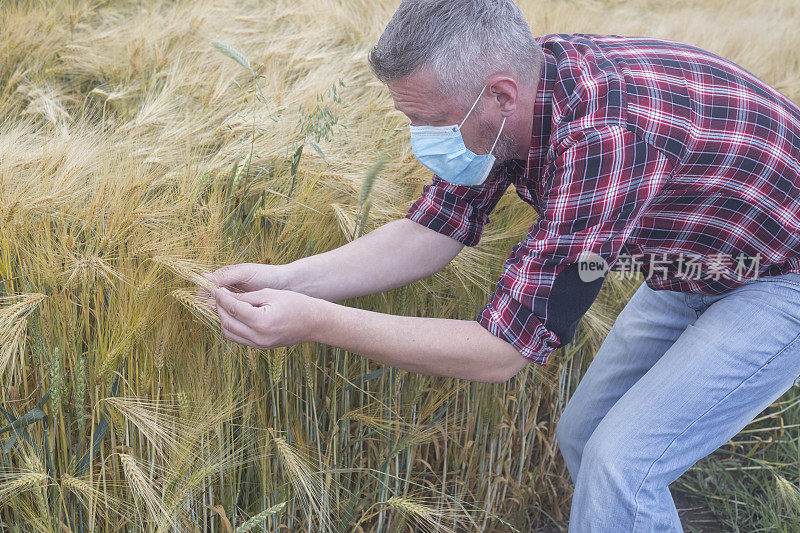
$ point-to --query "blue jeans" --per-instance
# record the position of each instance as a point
(678, 375)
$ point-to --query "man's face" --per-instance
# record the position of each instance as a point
(417, 98)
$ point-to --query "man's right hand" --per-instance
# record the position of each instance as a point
(246, 277)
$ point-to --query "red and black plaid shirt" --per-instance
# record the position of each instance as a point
(642, 150)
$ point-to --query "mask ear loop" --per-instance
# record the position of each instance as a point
(498, 134)
(470, 109)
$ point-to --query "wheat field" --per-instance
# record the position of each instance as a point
(143, 143)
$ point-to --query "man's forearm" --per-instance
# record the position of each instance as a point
(390, 256)
(431, 346)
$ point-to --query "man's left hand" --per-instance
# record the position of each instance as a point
(267, 318)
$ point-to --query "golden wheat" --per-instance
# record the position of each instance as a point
(120, 125)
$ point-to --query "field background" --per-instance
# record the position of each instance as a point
(135, 155)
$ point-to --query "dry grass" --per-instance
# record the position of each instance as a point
(135, 155)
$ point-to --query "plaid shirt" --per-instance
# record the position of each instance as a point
(642, 150)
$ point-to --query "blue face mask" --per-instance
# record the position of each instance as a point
(442, 150)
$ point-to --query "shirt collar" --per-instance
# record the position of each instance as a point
(542, 116)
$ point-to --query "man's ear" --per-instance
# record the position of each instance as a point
(506, 91)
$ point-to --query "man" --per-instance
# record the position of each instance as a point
(626, 148)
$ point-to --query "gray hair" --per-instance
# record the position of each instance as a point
(463, 42)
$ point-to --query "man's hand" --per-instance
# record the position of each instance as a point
(247, 277)
(267, 318)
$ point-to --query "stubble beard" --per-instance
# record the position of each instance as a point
(502, 150)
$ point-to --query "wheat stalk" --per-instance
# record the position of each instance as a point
(234, 54)
(309, 485)
(16, 483)
(141, 488)
(14, 325)
(788, 493)
(157, 420)
(252, 522)
(188, 270)
(200, 307)
(79, 391)
(56, 381)
(87, 269)
(34, 465)
(12, 342)
(89, 493)
(277, 362)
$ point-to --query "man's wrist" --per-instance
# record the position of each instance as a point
(321, 313)
(289, 277)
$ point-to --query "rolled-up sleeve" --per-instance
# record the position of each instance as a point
(597, 184)
(459, 211)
